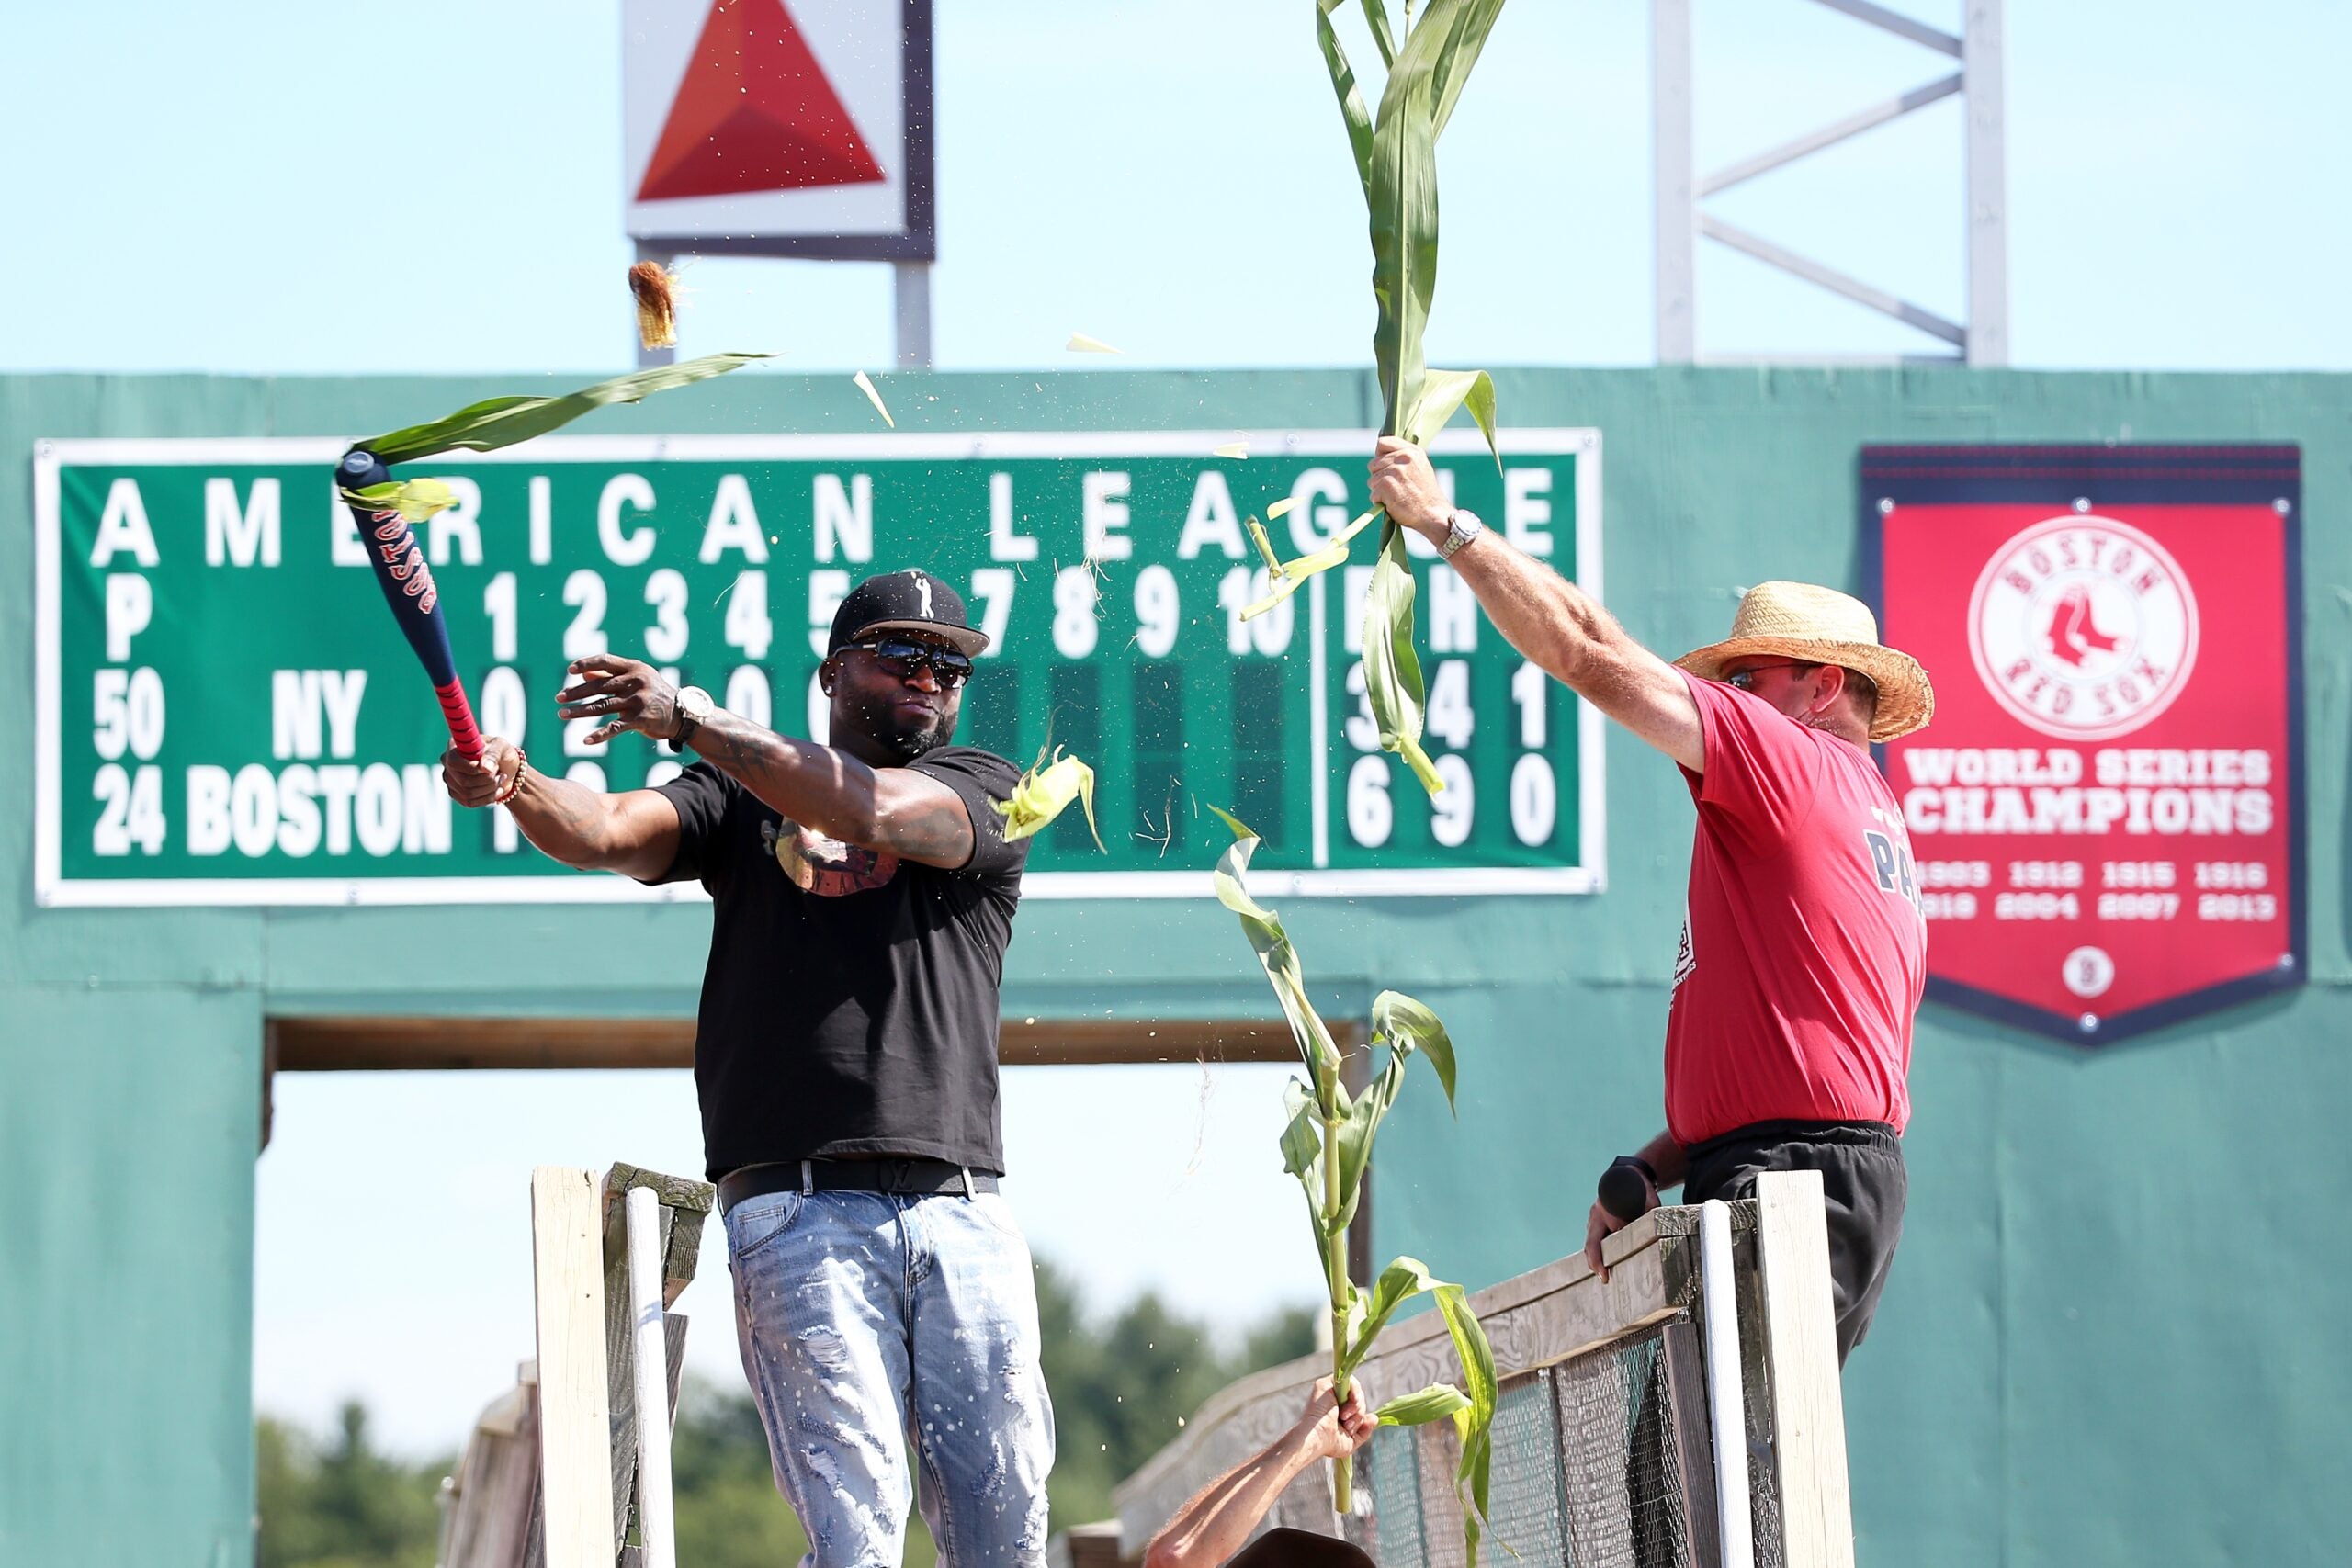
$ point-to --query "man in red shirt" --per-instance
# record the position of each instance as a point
(1804, 953)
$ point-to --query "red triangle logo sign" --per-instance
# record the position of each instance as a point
(754, 113)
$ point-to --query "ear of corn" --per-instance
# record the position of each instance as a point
(1043, 792)
(653, 286)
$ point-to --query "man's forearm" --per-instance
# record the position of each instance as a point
(1549, 620)
(1217, 1521)
(813, 786)
(1666, 1158)
(565, 821)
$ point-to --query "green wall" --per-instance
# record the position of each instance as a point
(2110, 1339)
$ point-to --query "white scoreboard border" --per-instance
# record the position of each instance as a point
(52, 890)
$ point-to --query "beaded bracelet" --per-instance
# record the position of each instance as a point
(522, 764)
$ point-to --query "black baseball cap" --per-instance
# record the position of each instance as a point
(910, 601)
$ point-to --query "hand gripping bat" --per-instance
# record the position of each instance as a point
(407, 582)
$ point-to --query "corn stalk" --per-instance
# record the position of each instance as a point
(1327, 1145)
(1396, 158)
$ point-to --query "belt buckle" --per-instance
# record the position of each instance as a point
(899, 1176)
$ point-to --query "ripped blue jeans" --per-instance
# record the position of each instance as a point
(872, 1324)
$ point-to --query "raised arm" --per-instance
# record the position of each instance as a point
(1207, 1530)
(635, 833)
(1549, 619)
(908, 814)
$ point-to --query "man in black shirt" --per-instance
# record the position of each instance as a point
(846, 1064)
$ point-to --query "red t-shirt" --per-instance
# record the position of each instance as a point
(1803, 951)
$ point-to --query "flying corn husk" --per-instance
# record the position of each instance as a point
(502, 421)
(1231, 449)
(865, 384)
(414, 500)
(657, 304)
(1288, 576)
(1327, 1145)
(1045, 792)
(1396, 158)
(1279, 507)
(1081, 343)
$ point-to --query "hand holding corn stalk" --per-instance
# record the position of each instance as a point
(1396, 158)
(1328, 1145)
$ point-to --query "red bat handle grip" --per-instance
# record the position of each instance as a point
(459, 715)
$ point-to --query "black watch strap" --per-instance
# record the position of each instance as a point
(687, 725)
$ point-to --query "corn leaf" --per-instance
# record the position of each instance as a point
(1404, 1279)
(1235, 449)
(1357, 1128)
(1081, 343)
(864, 383)
(1474, 1425)
(502, 421)
(1343, 82)
(414, 500)
(1434, 1402)
(1446, 390)
(1301, 1145)
(1280, 960)
(1392, 670)
(1043, 792)
(1405, 1026)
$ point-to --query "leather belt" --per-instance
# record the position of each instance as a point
(911, 1178)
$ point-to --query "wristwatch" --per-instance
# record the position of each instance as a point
(1460, 529)
(694, 707)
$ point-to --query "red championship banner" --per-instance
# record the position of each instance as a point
(2108, 810)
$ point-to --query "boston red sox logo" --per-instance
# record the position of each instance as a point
(2083, 627)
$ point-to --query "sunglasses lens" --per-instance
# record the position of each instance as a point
(950, 668)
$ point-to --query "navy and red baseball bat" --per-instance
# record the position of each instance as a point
(407, 582)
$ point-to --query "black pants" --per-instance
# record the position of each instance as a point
(1863, 1185)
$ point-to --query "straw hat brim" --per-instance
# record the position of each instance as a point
(1906, 700)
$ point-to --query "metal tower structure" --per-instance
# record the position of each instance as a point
(1682, 218)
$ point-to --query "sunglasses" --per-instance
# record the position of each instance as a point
(902, 658)
(1744, 680)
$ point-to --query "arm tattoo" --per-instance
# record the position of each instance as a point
(833, 791)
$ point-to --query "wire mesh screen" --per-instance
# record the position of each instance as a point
(1620, 1477)
(1392, 1474)
(1524, 1512)
(1586, 1474)
(1604, 1459)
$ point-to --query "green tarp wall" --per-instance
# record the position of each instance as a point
(2114, 1334)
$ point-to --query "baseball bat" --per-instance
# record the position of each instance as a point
(407, 582)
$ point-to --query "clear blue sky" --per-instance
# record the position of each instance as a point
(198, 188)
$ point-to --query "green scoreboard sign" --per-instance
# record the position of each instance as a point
(228, 716)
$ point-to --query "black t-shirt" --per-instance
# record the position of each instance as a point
(850, 1006)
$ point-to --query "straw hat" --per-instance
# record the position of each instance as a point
(1821, 626)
